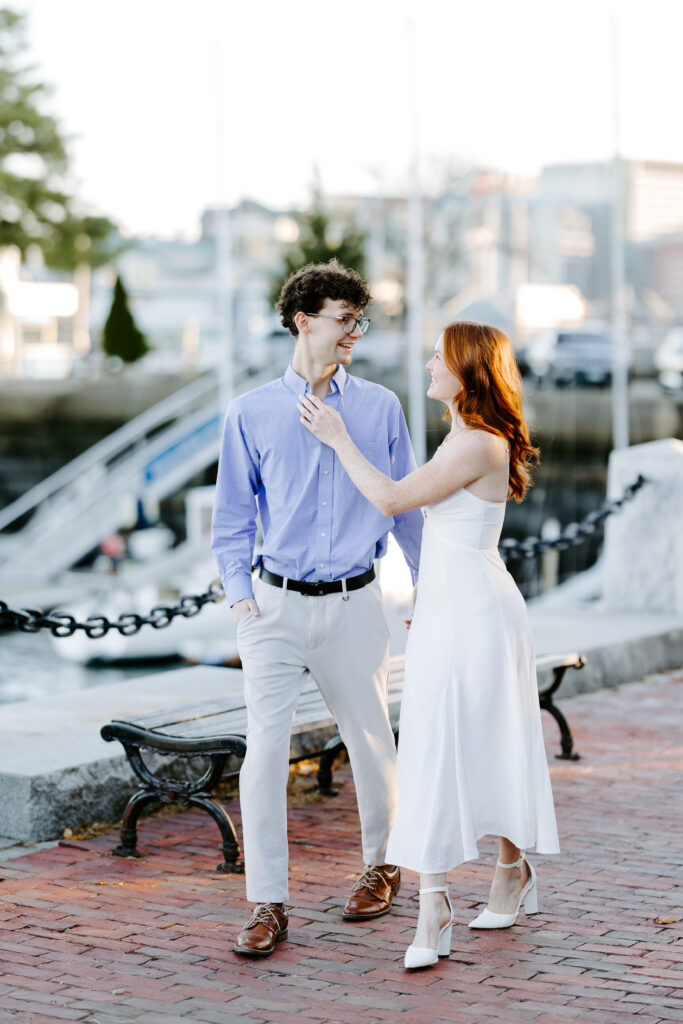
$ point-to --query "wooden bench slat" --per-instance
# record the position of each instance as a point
(171, 719)
(231, 721)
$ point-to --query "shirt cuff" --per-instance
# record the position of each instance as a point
(238, 587)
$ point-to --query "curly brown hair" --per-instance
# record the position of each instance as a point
(308, 288)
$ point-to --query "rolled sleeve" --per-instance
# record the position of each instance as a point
(233, 525)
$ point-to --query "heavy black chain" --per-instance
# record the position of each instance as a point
(573, 533)
(31, 620)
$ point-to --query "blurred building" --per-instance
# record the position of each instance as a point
(572, 228)
(657, 264)
(475, 246)
(488, 237)
(43, 319)
(185, 295)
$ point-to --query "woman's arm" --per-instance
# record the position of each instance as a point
(460, 463)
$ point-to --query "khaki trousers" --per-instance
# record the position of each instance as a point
(343, 646)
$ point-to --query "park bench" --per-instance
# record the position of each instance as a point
(216, 729)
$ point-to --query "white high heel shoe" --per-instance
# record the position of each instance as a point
(424, 956)
(528, 896)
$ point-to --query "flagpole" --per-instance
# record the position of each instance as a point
(620, 411)
(415, 270)
(223, 243)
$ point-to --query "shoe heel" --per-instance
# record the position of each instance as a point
(445, 941)
(531, 901)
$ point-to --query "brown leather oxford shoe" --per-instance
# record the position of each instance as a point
(372, 894)
(266, 927)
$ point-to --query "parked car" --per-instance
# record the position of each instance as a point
(669, 360)
(579, 357)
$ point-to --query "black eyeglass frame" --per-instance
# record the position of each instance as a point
(358, 321)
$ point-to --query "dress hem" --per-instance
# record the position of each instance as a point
(465, 860)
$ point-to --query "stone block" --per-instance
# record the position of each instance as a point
(644, 539)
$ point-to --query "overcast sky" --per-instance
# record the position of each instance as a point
(172, 106)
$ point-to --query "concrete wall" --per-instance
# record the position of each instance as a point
(644, 540)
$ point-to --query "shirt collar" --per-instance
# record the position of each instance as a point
(300, 386)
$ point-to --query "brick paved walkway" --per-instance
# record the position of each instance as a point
(86, 937)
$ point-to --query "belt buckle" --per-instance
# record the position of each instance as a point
(319, 588)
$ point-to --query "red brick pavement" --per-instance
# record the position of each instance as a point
(87, 937)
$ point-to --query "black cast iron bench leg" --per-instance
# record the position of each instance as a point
(129, 833)
(231, 851)
(324, 775)
(546, 702)
(188, 794)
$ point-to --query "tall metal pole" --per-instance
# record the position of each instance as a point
(620, 426)
(223, 264)
(224, 310)
(416, 370)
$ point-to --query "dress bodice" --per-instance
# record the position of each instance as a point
(465, 520)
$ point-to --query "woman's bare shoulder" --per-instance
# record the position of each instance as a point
(480, 443)
(470, 456)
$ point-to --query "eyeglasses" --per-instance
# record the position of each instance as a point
(348, 323)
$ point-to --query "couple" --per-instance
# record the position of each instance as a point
(326, 459)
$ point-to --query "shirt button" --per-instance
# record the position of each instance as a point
(325, 472)
(324, 503)
(323, 534)
(322, 565)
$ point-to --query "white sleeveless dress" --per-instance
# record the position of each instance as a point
(471, 759)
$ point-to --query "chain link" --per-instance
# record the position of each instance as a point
(572, 534)
(32, 620)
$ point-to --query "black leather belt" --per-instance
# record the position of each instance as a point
(318, 589)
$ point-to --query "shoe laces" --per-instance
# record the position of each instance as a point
(264, 914)
(369, 878)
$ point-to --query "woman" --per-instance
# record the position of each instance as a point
(471, 758)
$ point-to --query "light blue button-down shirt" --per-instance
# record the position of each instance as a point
(316, 524)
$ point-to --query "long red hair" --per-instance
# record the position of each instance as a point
(491, 398)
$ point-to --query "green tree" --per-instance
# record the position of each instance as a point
(36, 204)
(121, 336)
(315, 245)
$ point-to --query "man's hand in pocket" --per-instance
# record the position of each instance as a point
(242, 608)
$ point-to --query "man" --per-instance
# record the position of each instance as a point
(315, 609)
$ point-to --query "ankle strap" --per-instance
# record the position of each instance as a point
(514, 864)
(436, 888)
